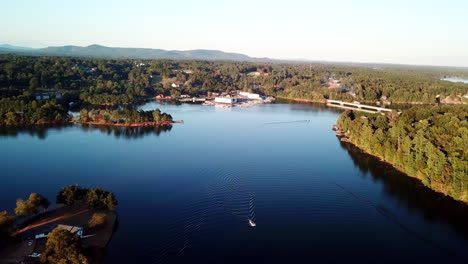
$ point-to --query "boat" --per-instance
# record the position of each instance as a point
(252, 223)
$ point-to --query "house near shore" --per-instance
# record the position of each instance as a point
(250, 95)
(225, 100)
(253, 96)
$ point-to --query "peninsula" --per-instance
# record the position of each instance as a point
(75, 231)
(428, 143)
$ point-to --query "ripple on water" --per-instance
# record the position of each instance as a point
(231, 196)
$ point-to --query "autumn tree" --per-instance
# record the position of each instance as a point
(68, 195)
(99, 198)
(64, 247)
(6, 221)
(98, 220)
(32, 205)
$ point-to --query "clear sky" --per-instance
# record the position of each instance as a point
(396, 31)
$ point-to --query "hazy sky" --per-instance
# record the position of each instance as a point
(396, 31)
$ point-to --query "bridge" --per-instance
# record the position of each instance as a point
(357, 107)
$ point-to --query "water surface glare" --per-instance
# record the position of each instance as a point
(187, 193)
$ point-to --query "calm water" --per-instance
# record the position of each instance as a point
(186, 193)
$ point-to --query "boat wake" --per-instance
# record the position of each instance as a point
(224, 192)
(231, 193)
(287, 122)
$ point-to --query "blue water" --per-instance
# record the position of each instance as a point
(186, 193)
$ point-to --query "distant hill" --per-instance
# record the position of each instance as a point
(11, 47)
(134, 53)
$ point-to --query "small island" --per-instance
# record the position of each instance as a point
(76, 231)
(124, 118)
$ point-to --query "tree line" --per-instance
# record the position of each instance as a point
(84, 81)
(127, 116)
(430, 144)
(96, 198)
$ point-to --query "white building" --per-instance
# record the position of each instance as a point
(175, 85)
(249, 95)
(225, 100)
(253, 96)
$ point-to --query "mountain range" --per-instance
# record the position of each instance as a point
(99, 51)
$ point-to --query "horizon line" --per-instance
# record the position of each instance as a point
(296, 60)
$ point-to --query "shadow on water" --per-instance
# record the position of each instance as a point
(128, 132)
(288, 122)
(41, 132)
(410, 192)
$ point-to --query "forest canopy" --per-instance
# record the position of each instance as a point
(430, 144)
(42, 90)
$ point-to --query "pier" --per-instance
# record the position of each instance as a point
(357, 106)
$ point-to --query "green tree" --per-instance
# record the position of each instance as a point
(68, 195)
(38, 201)
(6, 221)
(98, 198)
(33, 83)
(94, 198)
(24, 208)
(157, 116)
(429, 143)
(10, 119)
(110, 201)
(63, 247)
(115, 117)
(32, 205)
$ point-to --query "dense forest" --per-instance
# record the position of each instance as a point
(430, 144)
(35, 90)
(128, 116)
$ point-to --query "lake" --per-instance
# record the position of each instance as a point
(186, 193)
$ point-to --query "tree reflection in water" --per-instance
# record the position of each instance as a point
(410, 192)
(41, 132)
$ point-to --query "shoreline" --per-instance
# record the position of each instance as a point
(345, 138)
(143, 124)
(94, 239)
